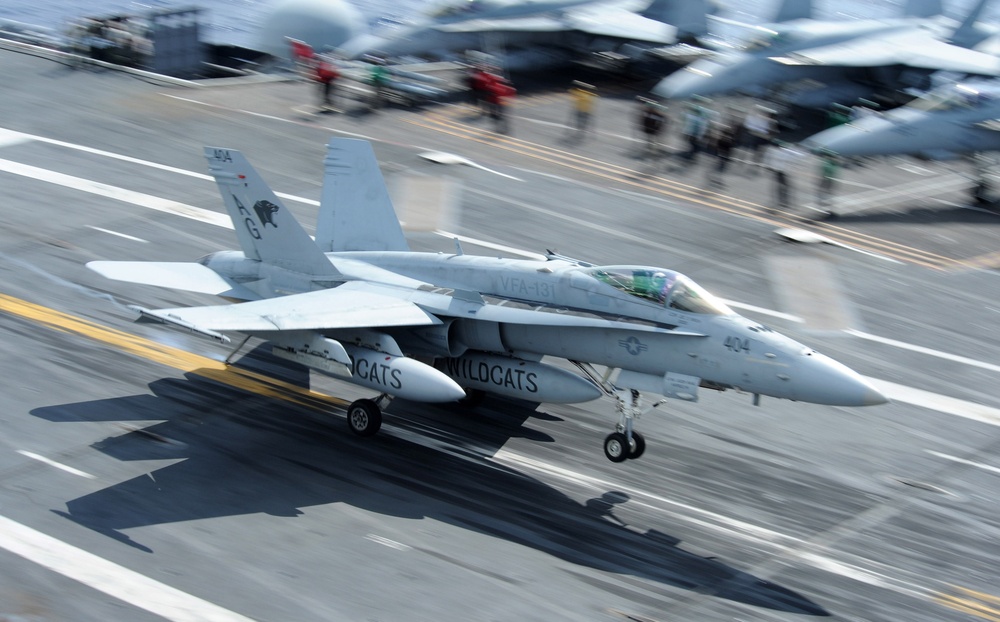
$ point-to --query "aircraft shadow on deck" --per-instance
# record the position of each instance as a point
(244, 453)
(923, 215)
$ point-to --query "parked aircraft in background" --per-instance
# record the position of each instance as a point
(527, 34)
(816, 63)
(358, 305)
(954, 119)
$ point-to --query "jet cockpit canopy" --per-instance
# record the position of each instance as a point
(671, 289)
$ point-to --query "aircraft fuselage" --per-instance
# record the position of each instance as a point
(656, 339)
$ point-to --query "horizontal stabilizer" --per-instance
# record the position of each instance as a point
(163, 317)
(186, 276)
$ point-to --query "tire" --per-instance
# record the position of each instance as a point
(616, 447)
(637, 447)
(364, 417)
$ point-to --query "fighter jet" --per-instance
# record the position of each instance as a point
(958, 118)
(527, 34)
(358, 305)
(817, 63)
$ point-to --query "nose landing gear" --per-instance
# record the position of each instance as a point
(625, 443)
(615, 445)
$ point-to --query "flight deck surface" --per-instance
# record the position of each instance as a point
(142, 479)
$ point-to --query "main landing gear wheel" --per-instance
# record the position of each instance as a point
(616, 447)
(364, 417)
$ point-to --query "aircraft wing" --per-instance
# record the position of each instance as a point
(992, 124)
(913, 48)
(346, 306)
(621, 24)
(187, 276)
(539, 23)
(359, 304)
(607, 22)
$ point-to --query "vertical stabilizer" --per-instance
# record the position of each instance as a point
(967, 35)
(688, 16)
(266, 230)
(922, 8)
(355, 212)
(794, 9)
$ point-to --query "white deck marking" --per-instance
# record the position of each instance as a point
(392, 544)
(108, 577)
(113, 192)
(806, 551)
(268, 116)
(53, 463)
(923, 350)
(496, 247)
(17, 137)
(121, 235)
(10, 137)
(771, 312)
(978, 465)
(938, 402)
(916, 170)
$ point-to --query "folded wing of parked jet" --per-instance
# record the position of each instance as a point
(909, 47)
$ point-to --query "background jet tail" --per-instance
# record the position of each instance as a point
(356, 213)
(690, 17)
(967, 35)
(266, 230)
(922, 8)
(794, 9)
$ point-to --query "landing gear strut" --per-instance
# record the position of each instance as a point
(364, 416)
(625, 443)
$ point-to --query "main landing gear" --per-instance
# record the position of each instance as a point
(625, 443)
(364, 416)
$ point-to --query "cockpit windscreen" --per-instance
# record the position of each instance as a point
(671, 289)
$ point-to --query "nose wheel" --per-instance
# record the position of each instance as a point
(618, 448)
(625, 443)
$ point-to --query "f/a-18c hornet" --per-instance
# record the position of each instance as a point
(358, 305)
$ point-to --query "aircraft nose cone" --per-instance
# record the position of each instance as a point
(853, 139)
(873, 397)
(698, 78)
(361, 45)
(826, 381)
(898, 131)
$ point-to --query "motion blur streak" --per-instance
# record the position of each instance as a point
(171, 357)
(973, 603)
